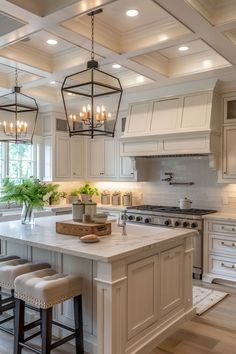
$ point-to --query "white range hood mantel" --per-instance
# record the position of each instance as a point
(186, 124)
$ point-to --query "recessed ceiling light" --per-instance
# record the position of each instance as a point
(69, 93)
(140, 78)
(116, 66)
(52, 41)
(183, 48)
(132, 13)
(52, 82)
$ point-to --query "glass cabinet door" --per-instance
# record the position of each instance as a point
(230, 109)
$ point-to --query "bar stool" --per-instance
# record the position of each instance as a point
(44, 289)
(10, 268)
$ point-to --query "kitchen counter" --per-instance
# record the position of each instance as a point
(43, 234)
(151, 266)
(221, 215)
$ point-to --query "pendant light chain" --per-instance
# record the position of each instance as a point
(92, 36)
(16, 78)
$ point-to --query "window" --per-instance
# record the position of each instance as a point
(17, 161)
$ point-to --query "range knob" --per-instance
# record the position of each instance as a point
(131, 217)
(194, 225)
(185, 224)
(147, 220)
(177, 223)
(138, 218)
(167, 222)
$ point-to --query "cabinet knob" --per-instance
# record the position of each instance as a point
(132, 173)
(101, 173)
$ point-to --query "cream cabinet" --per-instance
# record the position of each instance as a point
(229, 109)
(171, 268)
(219, 250)
(138, 118)
(127, 169)
(63, 157)
(229, 153)
(102, 158)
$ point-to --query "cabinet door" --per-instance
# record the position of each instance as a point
(77, 156)
(229, 152)
(110, 157)
(126, 167)
(96, 158)
(62, 157)
(230, 109)
(196, 111)
(166, 115)
(47, 158)
(142, 294)
(171, 264)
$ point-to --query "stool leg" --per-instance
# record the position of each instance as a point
(79, 341)
(19, 325)
(46, 330)
(0, 297)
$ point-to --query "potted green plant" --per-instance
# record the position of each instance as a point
(73, 196)
(30, 193)
(87, 191)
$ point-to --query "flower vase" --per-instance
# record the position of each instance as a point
(27, 214)
(85, 197)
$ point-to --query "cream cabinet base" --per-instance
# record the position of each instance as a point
(131, 304)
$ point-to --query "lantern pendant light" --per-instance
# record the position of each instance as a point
(91, 98)
(18, 116)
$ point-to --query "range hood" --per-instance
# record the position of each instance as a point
(187, 124)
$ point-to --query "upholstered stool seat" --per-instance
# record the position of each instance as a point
(46, 288)
(10, 268)
(43, 289)
(8, 258)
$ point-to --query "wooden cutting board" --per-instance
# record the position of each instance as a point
(70, 227)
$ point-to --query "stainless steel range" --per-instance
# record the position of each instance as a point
(173, 217)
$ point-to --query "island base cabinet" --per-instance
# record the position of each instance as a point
(129, 304)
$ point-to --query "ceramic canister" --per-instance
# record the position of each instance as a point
(78, 211)
(90, 208)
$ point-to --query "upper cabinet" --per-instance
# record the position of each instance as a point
(101, 158)
(229, 153)
(229, 104)
(63, 157)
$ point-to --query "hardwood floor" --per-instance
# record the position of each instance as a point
(214, 332)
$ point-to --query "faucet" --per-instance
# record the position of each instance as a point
(123, 224)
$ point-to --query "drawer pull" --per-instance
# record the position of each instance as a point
(227, 245)
(227, 266)
(232, 229)
(222, 227)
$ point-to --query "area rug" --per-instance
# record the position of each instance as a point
(204, 298)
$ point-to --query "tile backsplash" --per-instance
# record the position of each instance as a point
(204, 193)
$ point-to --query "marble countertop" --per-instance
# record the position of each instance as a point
(110, 248)
(221, 215)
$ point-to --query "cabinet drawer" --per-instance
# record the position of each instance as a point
(222, 266)
(219, 243)
(220, 227)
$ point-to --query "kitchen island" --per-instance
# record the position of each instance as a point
(136, 289)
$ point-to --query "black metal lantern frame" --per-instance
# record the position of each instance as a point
(91, 84)
(15, 105)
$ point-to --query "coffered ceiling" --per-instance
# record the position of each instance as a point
(146, 46)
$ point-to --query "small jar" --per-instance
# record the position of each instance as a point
(105, 197)
(116, 198)
(127, 199)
